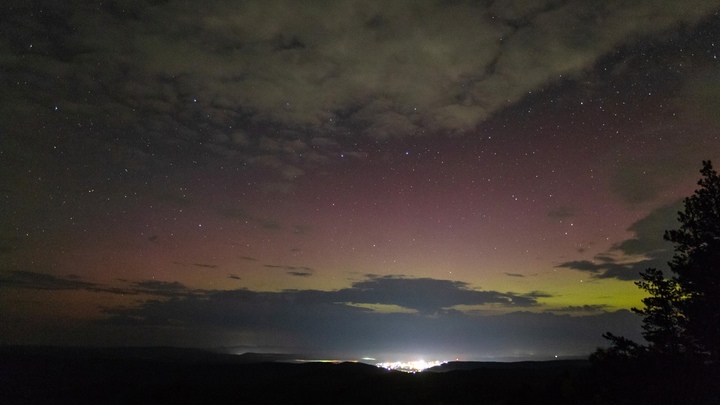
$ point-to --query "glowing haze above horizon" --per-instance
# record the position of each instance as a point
(470, 179)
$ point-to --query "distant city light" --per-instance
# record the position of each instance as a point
(410, 366)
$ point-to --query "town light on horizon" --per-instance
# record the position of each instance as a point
(410, 366)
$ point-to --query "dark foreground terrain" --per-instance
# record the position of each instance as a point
(32, 375)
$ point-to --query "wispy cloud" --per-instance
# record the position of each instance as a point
(580, 309)
(289, 268)
(300, 273)
(209, 266)
(43, 281)
(21, 279)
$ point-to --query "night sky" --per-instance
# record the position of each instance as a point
(470, 179)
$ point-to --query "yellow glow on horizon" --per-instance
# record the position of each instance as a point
(612, 293)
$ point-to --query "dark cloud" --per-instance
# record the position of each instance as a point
(605, 258)
(289, 268)
(161, 287)
(620, 271)
(300, 273)
(537, 294)
(581, 308)
(584, 265)
(21, 279)
(43, 281)
(625, 260)
(327, 321)
(649, 233)
(515, 275)
(203, 265)
(157, 288)
(322, 320)
(426, 295)
(234, 277)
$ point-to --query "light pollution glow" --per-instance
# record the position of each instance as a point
(410, 366)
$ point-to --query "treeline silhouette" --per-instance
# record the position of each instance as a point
(680, 364)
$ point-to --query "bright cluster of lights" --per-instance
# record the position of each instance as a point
(410, 366)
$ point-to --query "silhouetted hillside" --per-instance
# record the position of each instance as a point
(495, 365)
(188, 376)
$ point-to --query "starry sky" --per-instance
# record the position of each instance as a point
(472, 179)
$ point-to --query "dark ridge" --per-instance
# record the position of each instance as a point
(251, 357)
(168, 375)
(496, 365)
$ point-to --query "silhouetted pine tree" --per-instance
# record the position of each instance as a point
(696, 265)
(663, 318)
(681, 316)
